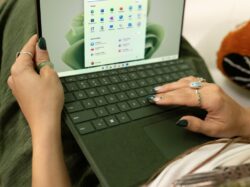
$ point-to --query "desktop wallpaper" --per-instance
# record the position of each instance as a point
(84, 34)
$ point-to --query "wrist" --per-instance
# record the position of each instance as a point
(46, 131)
(245, 122)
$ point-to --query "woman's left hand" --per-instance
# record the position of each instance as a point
(39, 95)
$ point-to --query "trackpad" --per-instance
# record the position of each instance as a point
(171, 139)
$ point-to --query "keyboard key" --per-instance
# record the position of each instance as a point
(142, 74)
(73, 107)
(143, 101)
(85, 128)
(82, 116)
(174, 76)
(141, 92)
(115, 79)
(150, 73)
(150, 90)
(111, 120)
(123, 70)
(134, 104)
(83, 85)
(113, 72)
(105, 81)
(88, 103)
(123, 118)
(133, 84)
(113, 109)
(82, 77)
(111, 99)
(132, 94)
(92, 92)
(71, 86)
(151, 81)
(166, 70)
(101, 112)
(159, 71)
(80, 95)
(144, 112)
(92, 75)
(99, 124)
(68, 97)
(113, 88)
(173, 68)
(124, 77)
(94, 83)
(133, 76)
(159, 80)
(123, 86)
(123, 106)
(103, 90)
(70, 79)
(142, 82)
(122, 96)
(100, 101)
(168, 78)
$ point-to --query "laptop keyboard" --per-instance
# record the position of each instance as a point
(102, 100)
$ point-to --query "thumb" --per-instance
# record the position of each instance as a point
(42, 54)
(196, 125)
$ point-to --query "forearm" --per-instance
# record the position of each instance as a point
(48, 167)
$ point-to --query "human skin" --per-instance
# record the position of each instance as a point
(40, 97)
(225, 118)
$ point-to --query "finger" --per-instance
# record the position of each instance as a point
(10, 82)
(184, 97)
(42, 55)
(198, 125)
(30, 48)
(171, 86)
(182, 83)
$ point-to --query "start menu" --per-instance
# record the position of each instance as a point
(115, 31)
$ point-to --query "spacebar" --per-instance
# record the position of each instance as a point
(144, 112)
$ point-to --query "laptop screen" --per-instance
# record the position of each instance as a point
(96, 35)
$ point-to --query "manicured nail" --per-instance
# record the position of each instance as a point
(42, 43)
(153, 99)
(182, 123)
(157, 88)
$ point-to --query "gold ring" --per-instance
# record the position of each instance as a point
(25, 53)
(43, 64)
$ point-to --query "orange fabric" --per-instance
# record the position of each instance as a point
(237, 41)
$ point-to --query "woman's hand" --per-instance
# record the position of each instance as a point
(225, 117)
(40, 95)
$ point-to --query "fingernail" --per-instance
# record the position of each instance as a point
(182, 123)
(157, 88)
(153, 99)
(42, 43)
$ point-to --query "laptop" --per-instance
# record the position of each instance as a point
(110, 54)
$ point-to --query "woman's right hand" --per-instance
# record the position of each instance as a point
(225, 118)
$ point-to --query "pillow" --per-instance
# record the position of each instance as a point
(234, 55)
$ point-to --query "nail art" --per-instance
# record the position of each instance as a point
(42, 43)
(182, 123)
(153, 99)
(157, 88)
